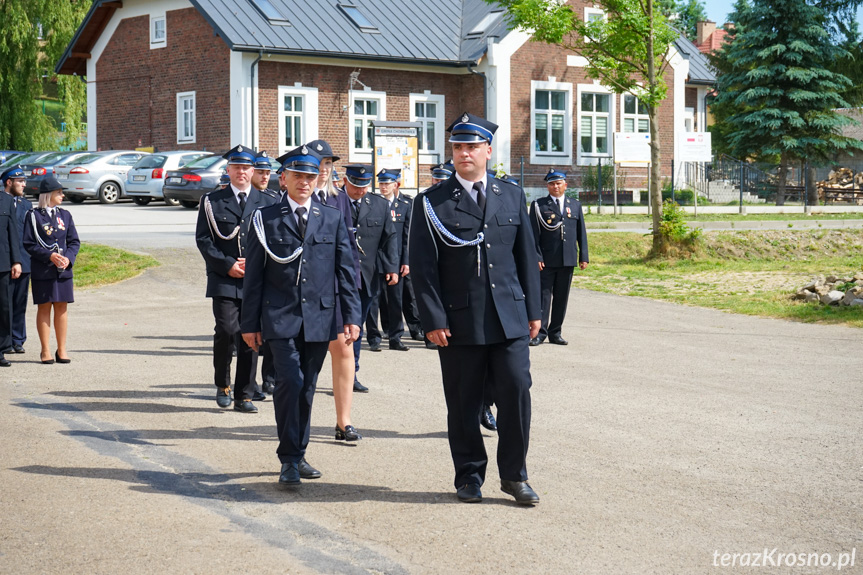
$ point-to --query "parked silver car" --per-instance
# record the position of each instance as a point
(144, 181)
(99, 175)
(44, 167)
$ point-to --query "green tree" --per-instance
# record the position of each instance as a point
(684, 15)
(780, 92)
(26, 64)
(625, 50)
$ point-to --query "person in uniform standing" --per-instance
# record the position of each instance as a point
(474, 262)
(375, 232)
(10, 268)
(390, 297)
(558, 226)
(222, 230)
(261, 181)
(13, 181)
(52, 241)
(298, 252)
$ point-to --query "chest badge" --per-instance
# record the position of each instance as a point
(47, 229)
(60, 224)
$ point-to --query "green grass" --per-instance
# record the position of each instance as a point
(753, 273)
(592, 217)
(99, 265)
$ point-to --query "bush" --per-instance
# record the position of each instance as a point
(590, 182)
(678, 238)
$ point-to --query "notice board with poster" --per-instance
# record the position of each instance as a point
(395, 145)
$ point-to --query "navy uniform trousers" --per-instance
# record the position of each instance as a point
(487, 307)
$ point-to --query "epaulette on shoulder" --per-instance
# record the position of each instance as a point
(271, 193)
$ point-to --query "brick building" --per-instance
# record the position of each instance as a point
(272, 74)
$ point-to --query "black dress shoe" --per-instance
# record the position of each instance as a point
(6, 363)
(223, 397)
(486, 419)
(374, 346)
(349, 433)
(245, 406)
(397, 345)
(18, 348)
(307, 471)
(269, 387)
(469, 493)
(290, 474)
(418, 335)
(359, 387)
(522, 492)
(430, 345)
(535, 341)
(557, 340)
(258, 396)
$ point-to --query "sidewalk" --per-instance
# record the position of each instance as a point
(660, 435)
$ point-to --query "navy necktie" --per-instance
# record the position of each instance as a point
(242, 196)
(480, 197)
(301, 221)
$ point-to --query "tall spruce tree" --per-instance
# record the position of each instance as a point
(27, 60)
(776, 85)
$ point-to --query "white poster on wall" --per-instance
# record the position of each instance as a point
(631, 148)
(695, 147)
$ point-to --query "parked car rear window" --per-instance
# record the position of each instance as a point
(204, 162)
(154, 161)
(85, 159)
(52, 159)
(189, 158)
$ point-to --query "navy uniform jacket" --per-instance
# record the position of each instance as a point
(480, 305)
(24, 206)
(376, 231)
(400, 214)
(343, 203)
(567, 245)
(10, 240)
(60, 230)
(220, 255)
(274, 303)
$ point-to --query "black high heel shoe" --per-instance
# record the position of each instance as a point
(59, 359)
(46, 361)
(349, 433)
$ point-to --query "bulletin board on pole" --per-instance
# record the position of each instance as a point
(395, 145)
(631, 148)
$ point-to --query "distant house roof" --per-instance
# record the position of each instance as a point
(700, 70)
(713, 42)
(439, 32)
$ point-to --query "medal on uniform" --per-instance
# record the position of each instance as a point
(393, 212)
(48, 229)
(568, 212)
(60, 224)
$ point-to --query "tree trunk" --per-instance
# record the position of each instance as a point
(783, 176)
(655, 156)
(813, 189)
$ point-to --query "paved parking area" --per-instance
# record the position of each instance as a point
(663, 437)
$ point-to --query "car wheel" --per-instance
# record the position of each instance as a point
(189, 204)
(109, 193)
(141, 200)
(75, 199)
(172, 202)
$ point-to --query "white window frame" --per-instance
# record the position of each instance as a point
(588, 12)
(436, 152)
(309, 113)
(591, 159)
(363, 154)
(182, 138)
(154, 42)
(552, 158)
(635, 117)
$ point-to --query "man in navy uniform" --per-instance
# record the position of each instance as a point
(375, 232)
(474, 262)
(10, 268)
(390, 298)
(261, 181)
(13, 181)
(298, 251)
(558, 225)
(222, 230)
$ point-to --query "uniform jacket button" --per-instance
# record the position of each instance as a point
(492, 286)
(487, 245)
(490, 266)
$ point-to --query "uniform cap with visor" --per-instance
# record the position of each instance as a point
(471, 129)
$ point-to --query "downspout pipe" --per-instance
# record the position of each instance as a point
(252, 88)
(484, 88)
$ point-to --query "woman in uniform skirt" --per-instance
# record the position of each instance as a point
(52, 242)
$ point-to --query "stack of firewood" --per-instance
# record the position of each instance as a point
(840, 179)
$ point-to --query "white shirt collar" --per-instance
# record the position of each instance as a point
(237, 192)
(294, 205)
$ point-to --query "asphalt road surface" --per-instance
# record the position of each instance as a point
(663, 438)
